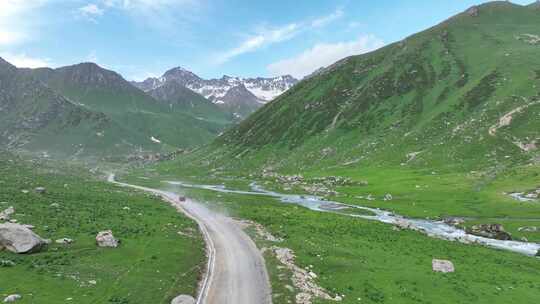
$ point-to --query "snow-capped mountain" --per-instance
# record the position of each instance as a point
(240, 95)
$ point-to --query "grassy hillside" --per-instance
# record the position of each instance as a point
(153, 264)
(36, 118)
(440, 95)
(105, 91)
(179, 98)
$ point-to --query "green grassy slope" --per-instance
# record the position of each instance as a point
(153, 264)
(438, 92)
(182, 99)
(101, 90)
(36, 118)
(419, 119)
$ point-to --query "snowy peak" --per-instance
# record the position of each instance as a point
(265, 89)
(240, 95)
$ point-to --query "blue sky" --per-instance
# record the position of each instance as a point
(141, 38)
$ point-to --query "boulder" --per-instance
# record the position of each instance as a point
(40, 190)
(388, 197)
(492, 231)
(443, 266)
(454, 221)
(19, 239)
(6, 214)
(183, 299)
(64, 241)
(12, 298)
(538, 253)
(529, 229)
(106, 239)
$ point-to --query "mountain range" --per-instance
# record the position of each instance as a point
(464, 93)
(239, 96)
(86, 110)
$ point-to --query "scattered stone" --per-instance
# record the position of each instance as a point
(106, 239)
(54, 205)
(443, 266)
(12, 298)
(388, 197)
(25, 191)
(19, 239)
(492, 231)
(454, 221)
(529, 229)
(183, 299)
(403, 224)
(6, 214)
(64, 241)
(92, 282)
(40, 190)
(302, 279)
(7, 263)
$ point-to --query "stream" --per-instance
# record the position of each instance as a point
(436, 229)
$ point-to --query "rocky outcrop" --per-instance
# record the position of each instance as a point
(106, 239)
(492, 231)
(473, 11)
(443, 266)
(19, 239)
(183, 299)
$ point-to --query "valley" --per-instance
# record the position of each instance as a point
(407, 173)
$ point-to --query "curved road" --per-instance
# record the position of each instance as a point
(236, 271)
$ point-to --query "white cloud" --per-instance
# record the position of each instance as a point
(24, 61)
(263, 38)
(15, 24)
(267, 37)
(91, 11)
(322, 55)
(92, 57)
(325, 20)
(161, 15)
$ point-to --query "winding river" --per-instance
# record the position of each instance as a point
(436, 229)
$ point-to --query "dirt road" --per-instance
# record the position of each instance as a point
(236, 271)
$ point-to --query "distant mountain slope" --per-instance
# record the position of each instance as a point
(248, 94)
(36, 118)
(98, 89)
(463, 93)
(180, 98)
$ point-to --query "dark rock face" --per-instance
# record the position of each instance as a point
(492, 231)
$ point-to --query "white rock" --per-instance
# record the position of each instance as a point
(19, 239)
(40, 190)
(183, 299)
(444, 266)
(64, 241)
(12, 298)
(106, 239)
(6, 214)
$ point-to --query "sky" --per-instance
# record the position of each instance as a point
(144, 38)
